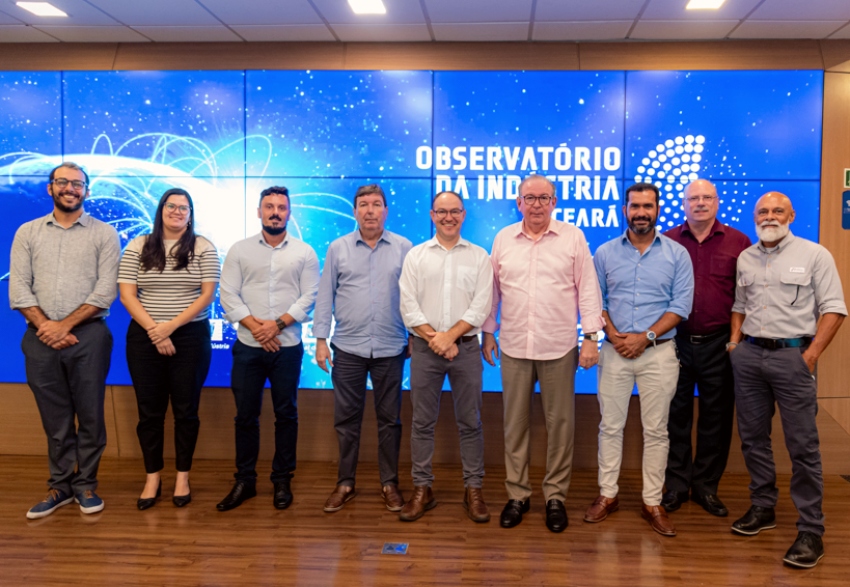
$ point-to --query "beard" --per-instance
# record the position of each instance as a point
(274, 230)
(649, 227)
(773, 232)
(60, 205)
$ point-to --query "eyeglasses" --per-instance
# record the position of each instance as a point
(172, 207)
(455, 212)
(62, 183)
(530, 200)
(706, 199)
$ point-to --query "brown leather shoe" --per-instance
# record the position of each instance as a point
(657, 518)
(422, 501)
(392, 498)
(601, 508)
(342, 495)
(476, 509)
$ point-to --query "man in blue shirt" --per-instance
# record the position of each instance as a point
(647, 284)
(359, 289)
(268, 285)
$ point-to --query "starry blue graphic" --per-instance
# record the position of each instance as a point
(226, 135)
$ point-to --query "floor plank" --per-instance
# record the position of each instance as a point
(258, 545)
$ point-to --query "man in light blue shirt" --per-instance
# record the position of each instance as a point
(359, 289)
(268, 286)
(647, 284)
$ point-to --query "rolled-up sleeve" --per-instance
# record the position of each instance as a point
(408, 285)
(683, 284)
(309, 287)
(106, 287)
(482, 301)
(829, 295)
(20, 271)
(231, 287)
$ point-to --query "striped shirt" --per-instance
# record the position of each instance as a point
(164, 295)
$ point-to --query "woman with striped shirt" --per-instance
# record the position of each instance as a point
(167, 280)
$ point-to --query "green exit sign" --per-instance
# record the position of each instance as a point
(846, 178)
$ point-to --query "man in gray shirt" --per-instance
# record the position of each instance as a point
(268, 285)
(63, 276)
(788, 306)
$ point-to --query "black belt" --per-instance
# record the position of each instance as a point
(662, 340)
(779, 343)
(466, 338)
(704, 338)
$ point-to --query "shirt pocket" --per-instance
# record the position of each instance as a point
(467, 278)
(723, 266)
(794, 288)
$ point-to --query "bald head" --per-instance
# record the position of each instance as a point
(773, 216)
(700, 204)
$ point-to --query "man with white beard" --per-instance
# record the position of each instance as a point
(788, 306)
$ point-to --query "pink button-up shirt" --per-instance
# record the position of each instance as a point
(542, 286)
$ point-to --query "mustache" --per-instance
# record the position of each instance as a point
(646, 218)
(768, 223)
(275, 217)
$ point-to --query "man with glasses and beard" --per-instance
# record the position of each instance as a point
(701, 339)
(62, 278)
(647, 284)
(268, 285)
(788, 306)
(544, 277)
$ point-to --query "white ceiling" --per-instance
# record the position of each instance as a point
(143, 21)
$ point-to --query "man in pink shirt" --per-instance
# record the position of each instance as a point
(544, 276)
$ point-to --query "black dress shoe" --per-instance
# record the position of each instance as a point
(512, 514)
(240, 492)
(754, 521)
(673, 500)
(182, 500)
(806, 551)
(711, 503)
(556, 515)
(144, 503)
(282, 495)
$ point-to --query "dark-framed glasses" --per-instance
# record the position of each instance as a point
(62, 183)
(530, 200)
(183, 208)
(454, 212)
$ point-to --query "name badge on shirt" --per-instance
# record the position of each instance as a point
(797, 269)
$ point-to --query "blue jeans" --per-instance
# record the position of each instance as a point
(251, 368)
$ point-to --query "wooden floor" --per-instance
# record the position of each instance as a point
(258, 545)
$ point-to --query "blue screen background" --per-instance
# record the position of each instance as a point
(226, 135)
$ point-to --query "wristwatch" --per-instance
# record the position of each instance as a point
(280, 324)
(594, 337)
(650, 336)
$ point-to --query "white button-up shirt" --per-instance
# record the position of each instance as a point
(441, 287)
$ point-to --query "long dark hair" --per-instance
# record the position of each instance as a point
(153, 253)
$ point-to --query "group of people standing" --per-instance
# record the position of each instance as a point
(698, 306)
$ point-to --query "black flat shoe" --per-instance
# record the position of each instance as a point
(145, 503)
(711, 503)
(806, 551)
(282, 495)
(754, 521)
(512, 514)
(182, 500)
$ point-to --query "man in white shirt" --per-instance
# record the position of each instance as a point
(446, 292)
(268, 285)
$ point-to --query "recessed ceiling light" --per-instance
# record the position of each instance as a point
(367, 6)
(704, 4)
(41, 8)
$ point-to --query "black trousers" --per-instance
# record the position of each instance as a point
(349, 376)
(159, 378)
(705, 365)
(252, 366)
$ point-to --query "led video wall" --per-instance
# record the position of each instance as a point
(226, 135)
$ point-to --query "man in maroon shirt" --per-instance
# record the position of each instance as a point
(701, 339)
